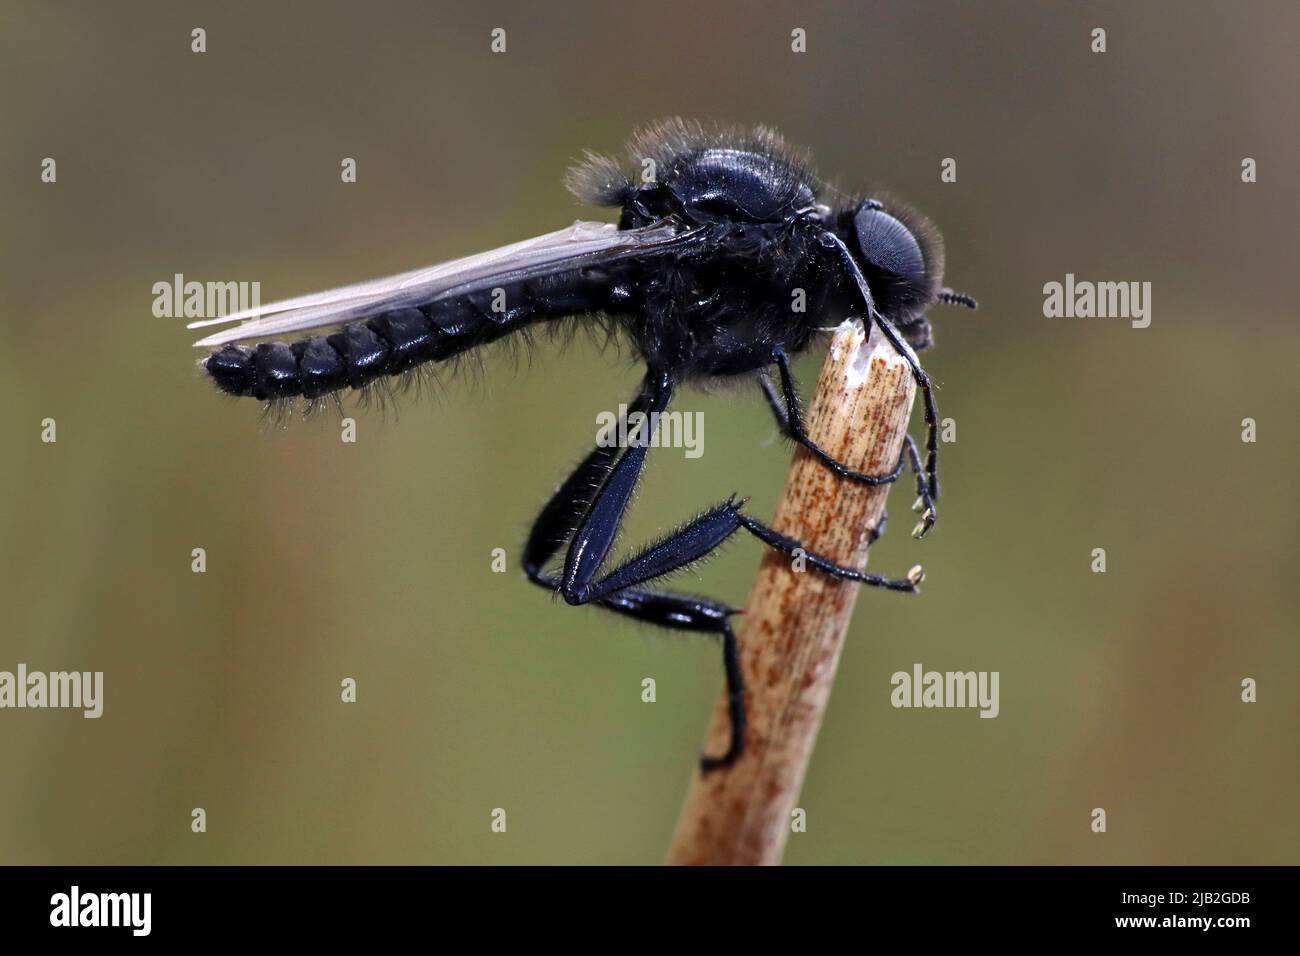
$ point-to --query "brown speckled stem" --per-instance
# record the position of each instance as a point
(793, 629)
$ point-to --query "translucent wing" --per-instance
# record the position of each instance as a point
(582, 244)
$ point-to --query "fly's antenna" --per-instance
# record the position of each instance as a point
(949, 297)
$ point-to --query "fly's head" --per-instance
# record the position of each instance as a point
(901, 256)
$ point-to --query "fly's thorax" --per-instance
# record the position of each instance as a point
(722, 185)
(755, 288)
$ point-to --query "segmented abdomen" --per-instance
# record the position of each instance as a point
(393, 342)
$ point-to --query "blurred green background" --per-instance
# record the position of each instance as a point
(372, 560)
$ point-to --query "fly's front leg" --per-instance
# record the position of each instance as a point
(789, 415)
(836, 246)
(924, 503)
(788, 411)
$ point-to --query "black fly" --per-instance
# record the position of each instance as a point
(699, 275)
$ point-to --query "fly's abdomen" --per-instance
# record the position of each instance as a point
(394, 342)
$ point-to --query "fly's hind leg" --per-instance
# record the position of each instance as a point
(685, 612)
(590, 522)
(568, 511)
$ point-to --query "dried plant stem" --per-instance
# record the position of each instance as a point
(794, 626)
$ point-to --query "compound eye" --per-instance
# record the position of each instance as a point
(888, 245)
